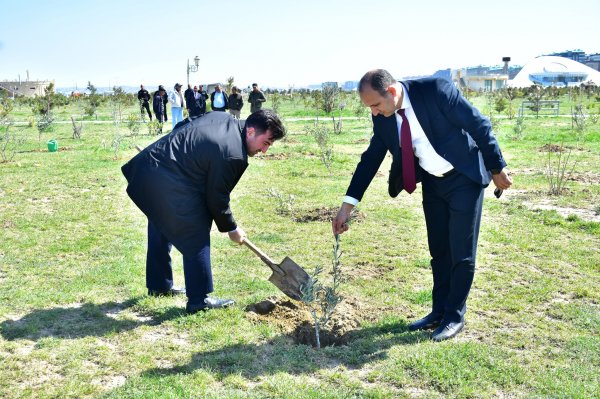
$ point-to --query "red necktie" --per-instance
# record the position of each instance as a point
(408, 161)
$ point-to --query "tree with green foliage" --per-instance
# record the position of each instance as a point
(119, 100)
(331, 102)
(93, 100)
(229, 85)
(320, 299)
(535, 96)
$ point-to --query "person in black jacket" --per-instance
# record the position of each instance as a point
(144, 99)
(236, 102)
(158, 104)
(202, 97)
(188, 94)
(182, 183)
(219, 100)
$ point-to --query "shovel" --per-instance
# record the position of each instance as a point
(288, 276)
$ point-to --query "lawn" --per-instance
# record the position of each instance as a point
(75, 320)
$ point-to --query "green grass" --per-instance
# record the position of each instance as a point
(75, 321)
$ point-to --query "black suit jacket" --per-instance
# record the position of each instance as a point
(455, 129)
(212, 101)
(188, 175)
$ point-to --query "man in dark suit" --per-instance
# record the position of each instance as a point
(219, 100)
(451, 150)
(182, 183)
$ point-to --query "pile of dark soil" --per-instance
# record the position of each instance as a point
(324, 215)
(294, 319)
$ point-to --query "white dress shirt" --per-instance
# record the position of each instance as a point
(429, 159)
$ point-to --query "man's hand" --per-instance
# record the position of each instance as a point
(339, 224)
(502, 180)
(238, 235)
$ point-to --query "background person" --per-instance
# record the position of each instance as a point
(219, 100)
(177, 104)
(202, 93)
(158, 105)
(144, 99)
(236, 102)
(182, 183)
(188, 96)
(436, 137)
(256, 98)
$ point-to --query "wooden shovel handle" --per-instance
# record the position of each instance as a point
(263, 256)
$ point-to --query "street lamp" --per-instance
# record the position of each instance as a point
(192, 68)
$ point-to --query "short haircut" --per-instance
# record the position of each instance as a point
(254, 85)
(265, 119)
(378, 79)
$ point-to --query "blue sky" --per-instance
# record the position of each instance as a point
(276, 42)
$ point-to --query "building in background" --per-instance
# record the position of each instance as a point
(25, 89)
(555, 71)
(591, 60)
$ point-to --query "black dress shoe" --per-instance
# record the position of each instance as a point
(426, 323)
(447, 330)
(170, 292)
(209, 303)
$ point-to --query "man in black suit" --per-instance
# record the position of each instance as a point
(452, 151)
(182, 183)
(144, 99)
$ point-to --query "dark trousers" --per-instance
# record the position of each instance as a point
(160, 117)
(452, 207)
(146, 106)
(196, 269)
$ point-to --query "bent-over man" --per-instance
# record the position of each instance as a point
(182, 183)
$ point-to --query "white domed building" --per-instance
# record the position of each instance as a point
(555, 71)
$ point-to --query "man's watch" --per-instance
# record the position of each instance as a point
(495, 171)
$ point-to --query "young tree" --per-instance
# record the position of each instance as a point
(330, 103)
(536, 95)
(119, 100)
(229, 84)
(93, 100)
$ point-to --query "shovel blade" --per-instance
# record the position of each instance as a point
(291, 280)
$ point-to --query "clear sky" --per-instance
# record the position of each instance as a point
(277, 42)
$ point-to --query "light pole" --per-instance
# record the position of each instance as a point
(192, 68)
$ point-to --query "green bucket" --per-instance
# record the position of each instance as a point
(52, 145)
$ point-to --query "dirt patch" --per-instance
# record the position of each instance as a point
(325, 215)
(366, 271)
(584, 214)
(360, 141)
(294, 319)
(276, 157)
(8, 224)
(585, 177)
(552, 148)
